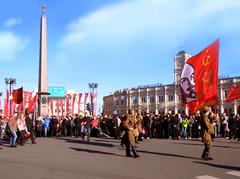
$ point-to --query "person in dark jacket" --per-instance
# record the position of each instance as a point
(64, 127)
(54, 126)
(77, 122)
(30, 128)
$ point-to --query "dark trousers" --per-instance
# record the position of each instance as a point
(54, 131)
(32, 137)
(22, 137)
(128, 146)
(77, 131)
(205, 153)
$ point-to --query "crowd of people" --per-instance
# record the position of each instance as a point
(176, 126)
(130, 128)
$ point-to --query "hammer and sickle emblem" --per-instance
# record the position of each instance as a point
(206, 59)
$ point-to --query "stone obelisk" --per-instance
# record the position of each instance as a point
(43, 67)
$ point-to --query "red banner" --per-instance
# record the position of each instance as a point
(85, 101)
(61, 104)
(79, 102)
(25, 95)
(74, 97)
(32, 104)
(29, 98)
(233, 94)
(51, 106)
(67, 103)
(5, 108)
(13, 108)
(57, 106)
(18, 95)
(199, 79)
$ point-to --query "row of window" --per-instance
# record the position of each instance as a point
(151, 99)
(160, 99)
(115, 103)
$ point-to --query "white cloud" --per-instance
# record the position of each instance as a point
(155, 27)
(11, 45)
(214, 6)
(124, 21)
(12, 22)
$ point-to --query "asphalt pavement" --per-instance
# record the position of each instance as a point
(104, 158)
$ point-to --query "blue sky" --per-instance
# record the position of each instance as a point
(115, 43)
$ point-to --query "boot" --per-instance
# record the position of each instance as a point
(205, 154)
(135, 155)
(128, 150)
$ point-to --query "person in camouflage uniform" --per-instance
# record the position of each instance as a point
(207, 119)
(130, 125)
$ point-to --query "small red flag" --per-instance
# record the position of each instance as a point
(85, 101)
(199, 78)
(32, 104)
(18, 95)
(79, 102)
(233, 94)
(74, 97)
(51, 106)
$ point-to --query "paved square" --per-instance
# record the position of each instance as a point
(104, 158)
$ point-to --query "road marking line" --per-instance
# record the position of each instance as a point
(206, 177)
(235, 173)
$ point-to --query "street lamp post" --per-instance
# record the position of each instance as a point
(93, 92)
(10, 82)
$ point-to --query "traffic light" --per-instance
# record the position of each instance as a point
(88, 107)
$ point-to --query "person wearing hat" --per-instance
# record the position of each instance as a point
(130, 125)
(207, 120)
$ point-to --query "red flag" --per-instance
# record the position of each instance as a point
(79, 102)
(18, 95)
(32, 104)
(20, 107)
(233, 94)
(199, 78)
(5, 107)
(74, 97)
(85, 100)
(61, 104)
(25, 95)
(29, 97)
(57, 105)
(51, 106)
(67, 103)
(13, 108)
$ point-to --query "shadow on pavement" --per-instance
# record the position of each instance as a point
(219, 166)
(95, 151)
(218, 146)
(102, 140)
(168, 155)
(79, 141)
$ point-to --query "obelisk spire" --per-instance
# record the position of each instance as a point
(43, 67)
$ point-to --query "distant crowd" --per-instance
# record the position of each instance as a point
(21, 127)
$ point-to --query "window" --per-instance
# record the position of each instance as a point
(134, 100)
(160, 98)
(179, 97)
(117, 103)
(225, 93)
(122, 101)
(170, 97)
(144, 99)
(152, 99)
